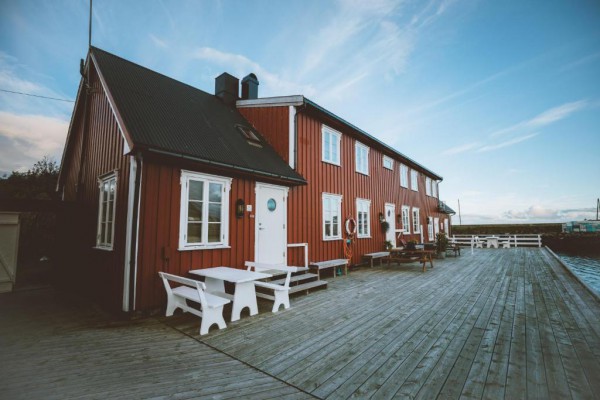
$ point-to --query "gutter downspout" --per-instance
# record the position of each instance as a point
(132, 235)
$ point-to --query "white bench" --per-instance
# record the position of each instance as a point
(281, 292)
(380, 255)
(211, 305)
(341, 262)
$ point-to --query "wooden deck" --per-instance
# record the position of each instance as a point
(50, 349)
(498, 323)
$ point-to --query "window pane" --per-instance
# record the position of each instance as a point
(327, 228)
(335, 226)
(214, 213)
(112, 189)
(215, 192)
(195, 211)
(214, 233)
(109, 215)
(109, 233)
(326, 146)
(196, 190)
(194, 233)
(102, 233)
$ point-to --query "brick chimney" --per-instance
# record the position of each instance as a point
(226, 88)
(250, 87)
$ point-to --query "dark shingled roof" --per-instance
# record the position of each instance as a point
(444, 208)
(167, 116)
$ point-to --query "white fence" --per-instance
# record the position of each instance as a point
(513, 240)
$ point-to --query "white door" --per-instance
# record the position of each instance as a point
(390, 217)
(436, 227)
(271, 230)
(446, 226)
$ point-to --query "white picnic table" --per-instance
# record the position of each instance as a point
(244, 294)
(492, 241)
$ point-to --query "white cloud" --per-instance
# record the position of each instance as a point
(240, 65)
(545, 118)
(540, 213)
(461, 148)
(158, 41)
(506, 143)
(31, 137)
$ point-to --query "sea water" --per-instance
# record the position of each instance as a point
(585, 266)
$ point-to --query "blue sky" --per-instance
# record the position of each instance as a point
(501, 98)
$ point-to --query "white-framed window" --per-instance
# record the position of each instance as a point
(388, 162)
(428, 186)
(362, 158)
(105, 234)
(414, 180)
(363, 218)
(331, 145)
(204, 222)
(332, 216)
(403, 175)
(406, 219)
(434, 189)
(416, 221)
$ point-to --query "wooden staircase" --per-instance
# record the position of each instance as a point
(302, 281)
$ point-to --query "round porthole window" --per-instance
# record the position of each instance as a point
(271, 204)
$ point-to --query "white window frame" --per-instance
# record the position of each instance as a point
(335, 140)
(414, 180)
(362, 206)
(430, 229)
(434, 189)
(416, 220)
(403, 176)
(106, 242)
(428, 186)
(389, 161)
(406, 219)
(361, 158)
(337, 209)
(186, 177)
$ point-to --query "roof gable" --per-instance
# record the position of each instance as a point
(167, 116)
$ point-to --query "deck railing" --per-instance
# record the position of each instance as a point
(305, 245)
(519, 240)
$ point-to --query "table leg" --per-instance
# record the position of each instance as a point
(244, 296)
(214, 285)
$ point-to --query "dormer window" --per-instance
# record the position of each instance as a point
(249, 135)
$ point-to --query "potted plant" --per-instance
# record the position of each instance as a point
(388, 245)
(411, 245)
(385, 226)
(441, 244)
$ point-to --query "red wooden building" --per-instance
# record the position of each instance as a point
(171, 178)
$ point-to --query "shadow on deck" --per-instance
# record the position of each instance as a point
(496, 323)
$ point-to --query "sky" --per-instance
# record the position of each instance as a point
(501, 98)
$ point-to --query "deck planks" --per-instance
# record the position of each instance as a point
(492, 323)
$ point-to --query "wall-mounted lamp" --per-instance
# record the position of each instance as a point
(239, 208)
(381, 217)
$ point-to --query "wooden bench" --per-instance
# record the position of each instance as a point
(380, 255)
(341, 262)
(211, 305)
(453, 247)
(281, 292)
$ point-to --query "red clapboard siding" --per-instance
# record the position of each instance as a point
(305, 202)
(159, 233)
(102, 149)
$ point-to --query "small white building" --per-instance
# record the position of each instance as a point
(9, 247)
